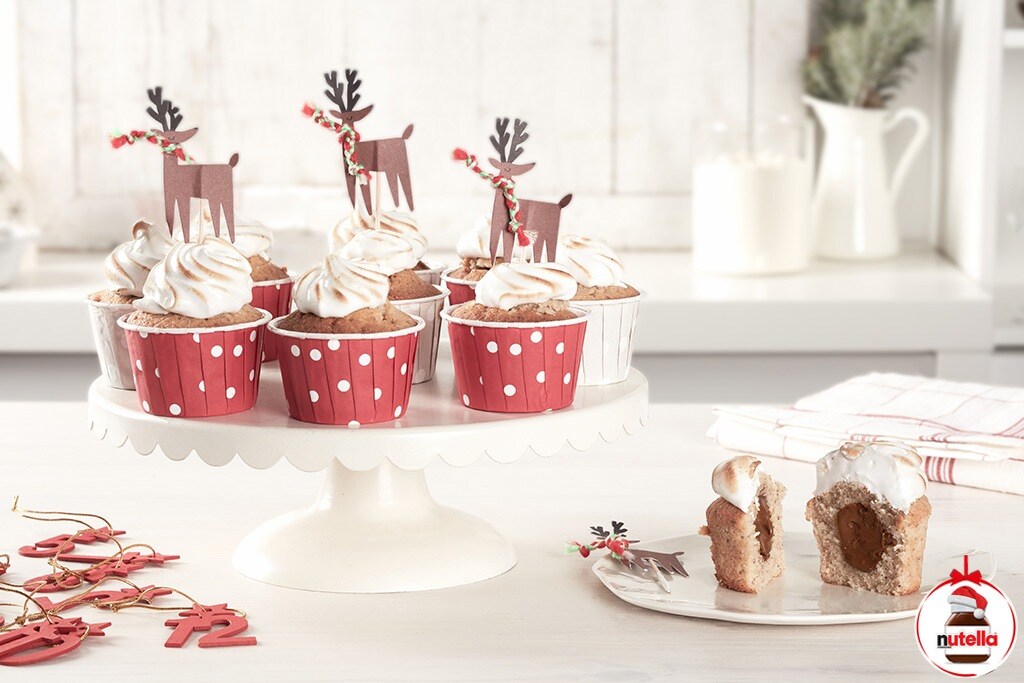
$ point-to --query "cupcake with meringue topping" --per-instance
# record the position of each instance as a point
(396, 256)
(517, 346)
(125, 270)
(194, 340)
(393, 222)
(614, 306)
(347, 354)
(474, 252)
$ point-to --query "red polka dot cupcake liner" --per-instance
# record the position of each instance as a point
(427, 308)
(196, 372)
(516, 367)
(347, 379)
(432, 273)
(274, 296)
(461, 291)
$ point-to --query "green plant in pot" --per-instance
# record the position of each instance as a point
(862, 57)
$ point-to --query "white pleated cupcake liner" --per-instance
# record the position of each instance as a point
(432, 275)
(111, 343)
(608, 346)
(429, 309)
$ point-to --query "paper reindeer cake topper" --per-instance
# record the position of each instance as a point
(523, 219)
(183, 178)
(386, 156)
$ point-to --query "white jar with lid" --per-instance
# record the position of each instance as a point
(751, 197)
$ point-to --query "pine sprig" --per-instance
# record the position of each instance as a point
(865, 52)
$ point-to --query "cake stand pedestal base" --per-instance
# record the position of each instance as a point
(377, 531)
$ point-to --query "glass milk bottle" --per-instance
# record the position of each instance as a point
(751, 196)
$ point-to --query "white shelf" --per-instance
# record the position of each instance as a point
(1009, 315)
(918, 302)
(1013, 38)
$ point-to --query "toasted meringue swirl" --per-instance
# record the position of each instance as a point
(508, 285)
(591, 262)
(252, 238)
(475, 243)
(128, 266)
(339, 287)
(199, 280)
(390, 251)
(394, 222)
(737, 481)
(889, 469)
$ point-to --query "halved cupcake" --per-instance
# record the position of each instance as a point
(195, 342)
(745, 525)
(517, 346)
(347, 354)
(870, 517)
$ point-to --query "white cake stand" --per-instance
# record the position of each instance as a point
(374, 478)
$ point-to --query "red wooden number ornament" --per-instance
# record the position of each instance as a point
(43, 641)
(204, 618)
(66, 542)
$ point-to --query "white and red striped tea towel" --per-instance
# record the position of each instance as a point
(968, 434)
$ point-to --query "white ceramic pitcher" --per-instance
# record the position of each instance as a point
(853, 210)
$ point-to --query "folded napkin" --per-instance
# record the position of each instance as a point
(968, 434)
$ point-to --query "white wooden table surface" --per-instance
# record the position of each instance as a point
(547, 619)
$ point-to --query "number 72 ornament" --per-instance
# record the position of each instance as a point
(204, 618)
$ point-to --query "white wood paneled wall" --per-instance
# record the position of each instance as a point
(611, 89)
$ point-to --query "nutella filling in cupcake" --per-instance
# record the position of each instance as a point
(199, 284)
(342, 296)
(397, 257)
(596, 268)
(521, 292)
(128, 266)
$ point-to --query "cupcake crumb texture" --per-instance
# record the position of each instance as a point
(371, 320)
(247, 314)
(406, 284)
(605, 293)
(109, 296)
(264, 270)
(524, 313)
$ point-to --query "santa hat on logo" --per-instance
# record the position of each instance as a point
(966, 599)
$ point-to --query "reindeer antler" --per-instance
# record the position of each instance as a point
(165, 113)
(501, 139)
(518, 138)
(352, 76)
(336, 93)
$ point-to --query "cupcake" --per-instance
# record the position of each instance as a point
(745, 525)
(272, 286)
(394, 222)
(870, 517)
(347, 354)
(194, 340)
(126, 270)
(474, 252)
(613, 304)
(517, 346)
(396, 256)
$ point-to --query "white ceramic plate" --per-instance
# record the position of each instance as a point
(797, 598)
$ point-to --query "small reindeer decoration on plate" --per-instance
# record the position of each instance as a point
(513, 219)
(182, 182)
(387, 156)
